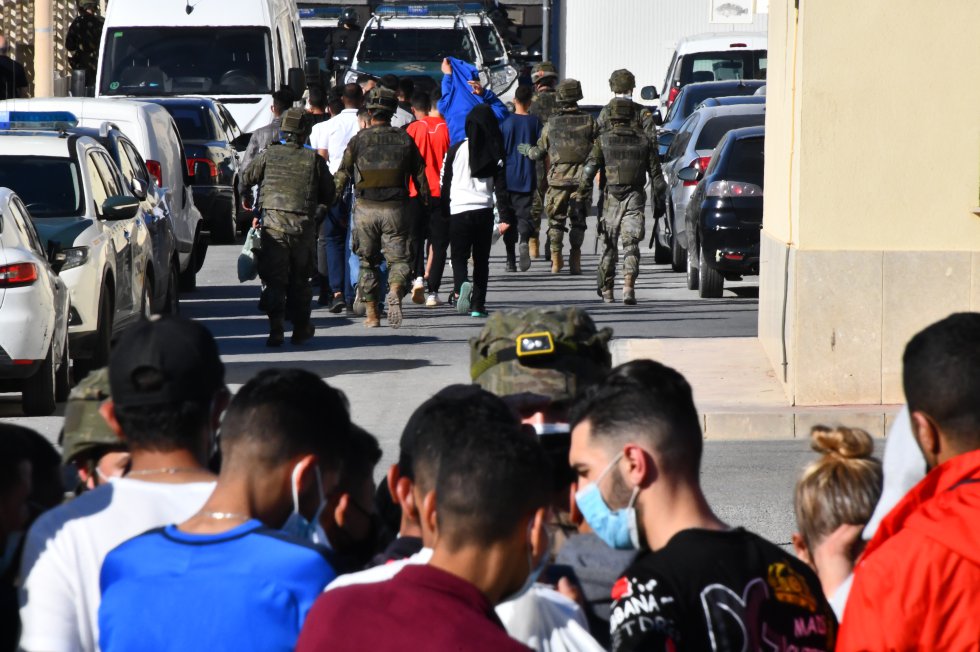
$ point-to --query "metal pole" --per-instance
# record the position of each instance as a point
(43, 49)
(546, 30)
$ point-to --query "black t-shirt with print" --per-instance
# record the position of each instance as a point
(709, 590)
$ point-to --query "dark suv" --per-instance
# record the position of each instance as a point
(724, 216)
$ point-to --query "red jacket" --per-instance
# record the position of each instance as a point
(917, 585)
(431, 135)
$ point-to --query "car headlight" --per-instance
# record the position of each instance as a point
(502, 77)
(74, 257)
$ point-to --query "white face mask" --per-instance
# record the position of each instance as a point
(297, 524)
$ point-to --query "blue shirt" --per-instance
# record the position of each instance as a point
(458, 98)
(520, 169)
(245, 589)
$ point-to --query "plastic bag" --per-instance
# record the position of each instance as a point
(248, 263)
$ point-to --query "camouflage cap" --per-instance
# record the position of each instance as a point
(546, 352)
(381, 99)
(569, 91)
(543, 70)
(622, 81)
(293, 121)
(84, 427)
(621, 109)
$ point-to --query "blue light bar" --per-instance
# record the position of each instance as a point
(416, 10)
(472, 7)
(37, 120)
(320, 12)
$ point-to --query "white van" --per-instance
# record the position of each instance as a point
(237, 52)
(157, 140)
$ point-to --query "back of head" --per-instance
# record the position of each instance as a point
(281, 414)
(649, 404)
(336, 107)
(524, 95)
(941, 375)
(389, 81)
(47, 488)
(622, 81)
(361, 455)
(406, 87)
(621, 110)
(569, 92)
(421, 102)
(435, 94)
(352, 95)
(164, 376)
(281, 101)
(842, 487)
(382, 103)
(488, 483)
(317, 98)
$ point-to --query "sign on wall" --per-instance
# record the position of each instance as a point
(731, 11)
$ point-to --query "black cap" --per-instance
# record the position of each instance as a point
(165, 360)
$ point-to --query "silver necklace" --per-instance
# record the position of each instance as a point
(170, 470)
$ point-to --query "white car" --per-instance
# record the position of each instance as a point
(79, 203)
(493, 49)
(34, 309)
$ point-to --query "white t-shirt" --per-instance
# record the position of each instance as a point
(402, 118)
(65, 548)
(467, 193)
(333, 136)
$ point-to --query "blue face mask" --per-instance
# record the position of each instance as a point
(618, 528)
(297, 524)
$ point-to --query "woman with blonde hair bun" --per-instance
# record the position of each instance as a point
(835, 497)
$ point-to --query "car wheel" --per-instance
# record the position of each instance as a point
(38, 393)
(62, 377)
(711, 281)
(678, 256)
(172, 305)
(693, 277)
(224, 226)
(661, 254)
(100, 355)
(188, 277)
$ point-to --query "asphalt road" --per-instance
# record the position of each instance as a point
(387, 373)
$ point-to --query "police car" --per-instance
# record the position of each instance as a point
(81, 206)
(34, 308)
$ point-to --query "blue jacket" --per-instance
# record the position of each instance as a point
(458, 99)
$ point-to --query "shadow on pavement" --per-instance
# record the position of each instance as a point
(241, 372)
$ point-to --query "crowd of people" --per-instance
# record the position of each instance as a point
(414, 175)
(554, 504)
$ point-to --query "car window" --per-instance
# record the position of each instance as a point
(50, 186)
(100, 189)
(26, 227)
(717, 127)
(428, 44)
(490, 45)
(230, 121)
(110, 173)
(746, 162)
(683, 137)
(762, 65)
(125, 165)
(192, 121)
(135, 161)
(220, 128)
(716, 66)
(670, 69)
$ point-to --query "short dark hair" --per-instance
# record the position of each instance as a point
(282, 100)
(488, 481)
(317, 98)
(164, 427)
(649, 400)
(353, 93)
(284, 413)
(389, 81)
(47, 487)
(406, 87)
(364, 77)
(360, 457)
(941, 375)
(14, 449)
(421, 102)
(435, 94)
(336, 106)
(524, 94)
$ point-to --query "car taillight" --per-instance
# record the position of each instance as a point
(16, 275)
(672, 96)
(700, 164)
(153, 167)
(192, 161)
(732, 189)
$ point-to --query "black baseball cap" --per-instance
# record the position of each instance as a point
(165, 360)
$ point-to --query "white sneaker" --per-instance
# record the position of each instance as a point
(432, 300)
(418, 290)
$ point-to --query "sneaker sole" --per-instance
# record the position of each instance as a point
(418, 295)
(394, 310)
(463, 304)
(525, 260)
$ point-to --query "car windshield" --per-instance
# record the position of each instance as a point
(186, 60)
(316, 39)
(408, 45)
(193, 122)
(746, 161)
(715, 128)
(490, 45)
(49, 186)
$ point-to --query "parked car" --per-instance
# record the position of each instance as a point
(714, 57)
(153, 132)
(163, 270)
(78, 201)
(724, 217)
(212, 141)
(731, 101)
(690, 97)
(692, 147)
(493, 50)
(34, 305)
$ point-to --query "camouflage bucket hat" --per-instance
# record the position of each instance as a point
(622, 81)
(551, 353)
(84, 427)
(543, 70)
(569, 91)
(293, 121)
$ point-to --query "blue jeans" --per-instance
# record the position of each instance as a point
(333, 246)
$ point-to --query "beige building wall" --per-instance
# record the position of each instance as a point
(871, 229)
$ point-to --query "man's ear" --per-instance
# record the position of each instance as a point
(392, 478)
(539, 535)
(108, 412)
(802, 552)
(574, 515)
(405, 497)
(340, 511)
(641, 467)
(927, 436)
(428, 514)
(218, 406)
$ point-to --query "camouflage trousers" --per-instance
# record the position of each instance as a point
(285, 265)
(560, 208)
(622, 219)
(381, 231)
(537, 194)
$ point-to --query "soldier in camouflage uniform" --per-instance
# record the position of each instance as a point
(627, 155)
(86, 440)
(380, 160)
(545, 78)
(621, 83)
(566, 140)
(293, 182)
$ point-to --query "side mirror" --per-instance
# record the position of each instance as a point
(688, 174)
(664, 139)
(202, 174)
(120, 207)
(56, 257)
(296, 81)
(657, 118)
(241, 143)
(649, 93)
(139, 187)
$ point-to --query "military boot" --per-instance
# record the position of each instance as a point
(575, 262)
(532, 246)
(302, 333)
(276, 335)
(629, 295)
(557, 262)
(371, 319)
(394, 304)
(607, 295)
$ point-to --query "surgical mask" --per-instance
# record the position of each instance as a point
(618, 528)
(534, 571)
(297, 524)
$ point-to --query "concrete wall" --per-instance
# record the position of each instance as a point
(17, 22)
(872, 182)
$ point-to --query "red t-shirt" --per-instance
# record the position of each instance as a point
(431, 135)
(422, 608)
